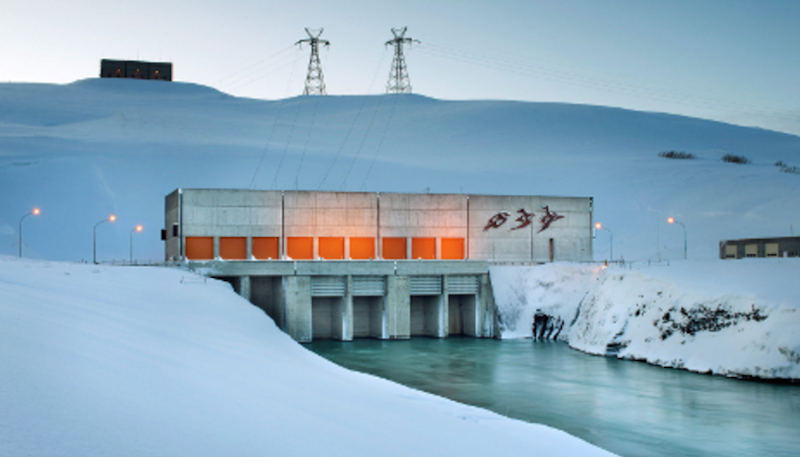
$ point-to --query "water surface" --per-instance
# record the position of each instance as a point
(630, 408)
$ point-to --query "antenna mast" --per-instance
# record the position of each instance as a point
(399, 83)
(315, 82)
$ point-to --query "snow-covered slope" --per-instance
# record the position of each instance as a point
(140, 361)
(83, 150)
(733, 318)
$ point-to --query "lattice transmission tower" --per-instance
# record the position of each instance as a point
(399, 83)
(315, 82)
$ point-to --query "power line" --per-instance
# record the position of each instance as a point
(595, 82)
(272, 130)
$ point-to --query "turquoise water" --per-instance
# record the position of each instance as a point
(629, 408)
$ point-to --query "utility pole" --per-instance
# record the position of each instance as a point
(399, 83)
(315, 82)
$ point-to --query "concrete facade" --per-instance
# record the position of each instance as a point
(344, 265)
(135, 69)
(788, 246)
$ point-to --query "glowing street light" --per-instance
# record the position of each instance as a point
(138, 228)
(111, 218)
(599, 226)
(672, 220)
(35, 212)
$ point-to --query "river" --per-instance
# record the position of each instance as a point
(629, 408)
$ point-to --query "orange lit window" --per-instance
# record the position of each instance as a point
(362, 248)
(453, 248)
(423, 248)
(199, 247)
(265, 247)
(300, 247)
(233, 247)
(394, 248)
(331, 248)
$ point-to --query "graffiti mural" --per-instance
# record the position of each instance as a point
(548, 218)
(497, 220)
(524, 219)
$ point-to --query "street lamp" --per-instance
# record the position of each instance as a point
(111, 218)
(138, 228)
(599, 226)
(672, 220)
(35, 212)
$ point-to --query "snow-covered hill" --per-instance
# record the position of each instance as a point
(732, 318)
(83, 150)
(133, 361)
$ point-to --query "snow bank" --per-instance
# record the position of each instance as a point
(732, 318)
(147, 361)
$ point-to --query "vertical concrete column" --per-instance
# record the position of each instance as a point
(216, 247)
(486, 309)
(244, 287)
(342, 326)
(397, 304)
(437, 243)
(249, 248)
(347, 247)
(444, 331)
(297, 305)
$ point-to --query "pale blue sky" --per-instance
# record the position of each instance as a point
(730, 60)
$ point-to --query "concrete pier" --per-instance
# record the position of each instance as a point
(381, 299)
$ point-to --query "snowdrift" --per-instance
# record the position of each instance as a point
(83, 150)
(732, 318)
(132, 361)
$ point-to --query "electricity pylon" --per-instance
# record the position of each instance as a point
(315, 82)
(399, 83)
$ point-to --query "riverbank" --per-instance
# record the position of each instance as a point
(730, 318)
(131, 361)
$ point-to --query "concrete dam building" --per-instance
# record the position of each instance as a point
(344, 265)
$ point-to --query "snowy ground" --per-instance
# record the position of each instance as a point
(133, 361)
(83, 150)
(734, 318)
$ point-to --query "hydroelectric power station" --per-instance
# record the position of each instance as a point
(345, 265)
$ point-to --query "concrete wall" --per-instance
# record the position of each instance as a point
(571, 233)
(496, 228)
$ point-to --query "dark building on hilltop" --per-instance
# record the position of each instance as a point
(135, 69)
(788, 246)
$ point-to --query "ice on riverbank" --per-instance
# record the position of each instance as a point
(132, 361)
(733, 318)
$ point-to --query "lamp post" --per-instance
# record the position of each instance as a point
(138, 228)
(672, 220)
(35, 212)
(599, 226)
(111, 218)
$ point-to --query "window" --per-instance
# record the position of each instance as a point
(300, 247)
(233, 247)
(423, 248)
(453, 248)
(394, 248)
(331, 248)
(362, 248)
(265, 247)
(200, 247)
